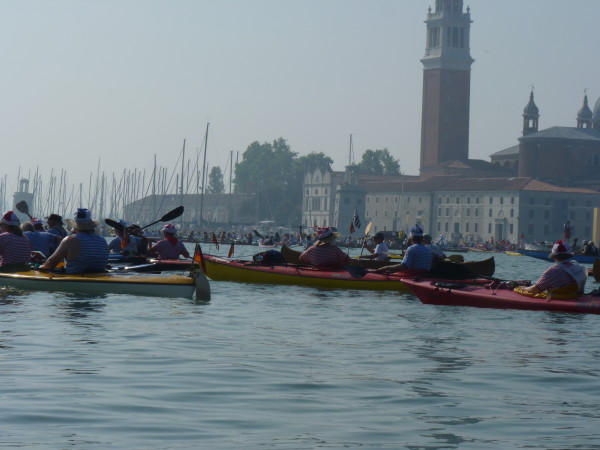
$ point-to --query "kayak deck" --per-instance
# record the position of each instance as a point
(481, 297)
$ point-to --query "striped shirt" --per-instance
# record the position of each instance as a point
(324, 256)
(93, 254)
(40, 241)
(554, 277)
(14, 249)
(417, 257)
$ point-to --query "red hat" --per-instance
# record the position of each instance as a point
(560, 249)
(169, 229)
(10, 218)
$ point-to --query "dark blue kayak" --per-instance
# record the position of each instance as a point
(545, 256)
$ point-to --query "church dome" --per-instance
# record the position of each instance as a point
(596, 116)
(585, 112)
(531, 109)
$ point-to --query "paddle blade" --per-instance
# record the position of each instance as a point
(258, 234)
(368, 228)
(172, 214)
(113, 223)
(22, 207)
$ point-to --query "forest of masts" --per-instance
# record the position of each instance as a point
(108, 196)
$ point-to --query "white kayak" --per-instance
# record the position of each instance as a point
(112, 282)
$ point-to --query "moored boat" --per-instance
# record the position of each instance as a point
(111, 282)
(462, 294)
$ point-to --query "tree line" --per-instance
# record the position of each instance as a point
(275, 173)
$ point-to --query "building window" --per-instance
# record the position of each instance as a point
(326, 191)
(477, 200)
(491, 200)
(490, 228)
(467, 227)
(531, 201)
(512, 229)
(490, 213)
(468, 200)
(468, 212)
(502, 200)
(512, 200)
(546, 214)
(439, 212)
(512, 213)
(531, 214)
(457, 200)
(420, 199)
(446, 227)
(476, 212)
(447, 212)
(476, 227)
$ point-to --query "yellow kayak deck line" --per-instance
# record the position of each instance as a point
(109, 282)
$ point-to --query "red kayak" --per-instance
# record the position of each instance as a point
(502, 297)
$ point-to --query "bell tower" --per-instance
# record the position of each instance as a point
(446, 85)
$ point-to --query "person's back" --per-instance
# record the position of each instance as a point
(170, 247)
(417, 257)
(565, 279)
(323, 253)
(93, 254)
(15, 248)
(40, 241)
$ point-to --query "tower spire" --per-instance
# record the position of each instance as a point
(531, 115)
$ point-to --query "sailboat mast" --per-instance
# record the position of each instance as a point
(182, 177)
(203, 173)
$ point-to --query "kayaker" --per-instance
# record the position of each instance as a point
(417, 257)
(40, 240)
(56, 227)
(170, 247)
(131, 246)
(85, 251)
(380, 252)
(324, 254)
(565, 279)
(437, 253)
(15, 248)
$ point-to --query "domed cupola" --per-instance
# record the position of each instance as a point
(584, 116)
(531, 114)
(596, 116)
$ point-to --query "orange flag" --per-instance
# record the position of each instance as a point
(230, 254)
(199, 257)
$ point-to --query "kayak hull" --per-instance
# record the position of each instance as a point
(481, 297)
(583, 259)
(224, 269)
(102, 283)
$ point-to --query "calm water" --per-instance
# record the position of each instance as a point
(295, 368)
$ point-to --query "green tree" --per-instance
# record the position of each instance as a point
(271, 171)
(379, 162)
(312, 161)
(215, 181)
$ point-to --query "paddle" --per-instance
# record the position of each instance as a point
(258, 234)
(367, 231)
(24, 208)
(168, 216)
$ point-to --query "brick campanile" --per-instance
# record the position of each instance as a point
(446, 85)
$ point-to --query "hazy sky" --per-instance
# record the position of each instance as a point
(124, 80)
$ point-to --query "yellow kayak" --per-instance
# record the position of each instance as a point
(111, 282)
